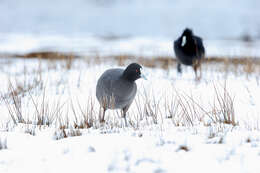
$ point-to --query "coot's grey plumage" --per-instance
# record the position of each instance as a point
(116, 88)
(189, 50)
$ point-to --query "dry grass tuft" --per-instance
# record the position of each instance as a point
(30, 130)
(227, 64)
(183, 110)
(225, 113)
(87, 116)
(183, 148)
(65, 133)
(44, 114)
(248, 140)
(14, 109)
(47, 55)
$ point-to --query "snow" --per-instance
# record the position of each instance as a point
(136, 46)
(127, 152)
(142, 147)
(175, 122)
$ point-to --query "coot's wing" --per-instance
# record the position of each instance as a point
(200, 46)
(104, 83)
(124, 92)
(104, 89)
(177, 48)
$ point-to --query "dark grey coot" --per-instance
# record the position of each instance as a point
(116, 88)
(189, 50)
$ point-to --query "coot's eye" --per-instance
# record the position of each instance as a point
(136, 70)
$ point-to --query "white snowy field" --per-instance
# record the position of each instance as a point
(49, 113)
(49, 119)
(137, 46)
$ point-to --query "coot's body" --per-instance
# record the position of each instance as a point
(189, 50)
(116, 88)
(113, 91)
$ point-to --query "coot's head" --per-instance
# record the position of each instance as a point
(187, 36)
(133, 72)
(187, 32)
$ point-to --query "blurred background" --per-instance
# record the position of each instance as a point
(147, 27)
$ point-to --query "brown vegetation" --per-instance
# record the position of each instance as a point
(183, 110)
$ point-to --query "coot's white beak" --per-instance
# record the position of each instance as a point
(142, 75)
(183, 41)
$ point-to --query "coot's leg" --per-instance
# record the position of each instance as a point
(179, 67)
(200, 70)
(124, 114)
(197, 64)
(195, 70)
(102, 117)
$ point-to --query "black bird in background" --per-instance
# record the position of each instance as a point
(189, 50)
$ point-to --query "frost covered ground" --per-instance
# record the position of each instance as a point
(137, 46)
(176, 124)
(49, 113)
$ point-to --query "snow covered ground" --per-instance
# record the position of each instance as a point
(49, 113)
(138, 46)
(155, 150)
(173, 127)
